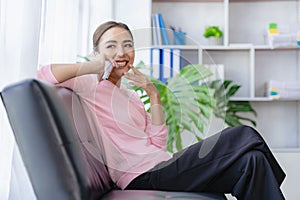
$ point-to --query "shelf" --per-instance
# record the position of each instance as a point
(261, 99)
(236, 46)
(230, 47)
(267, 47)
(285, 150)
(207, 47)
(184, 47)
(232, 1)
(251, 99)
(159, 1)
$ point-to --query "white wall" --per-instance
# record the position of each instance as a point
(137, 15)
(290, 162)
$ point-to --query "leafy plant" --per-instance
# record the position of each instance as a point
(183, 100)
(188, 105)
(213, 31)
(229, 110)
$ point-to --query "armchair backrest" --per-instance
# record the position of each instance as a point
(58, 165)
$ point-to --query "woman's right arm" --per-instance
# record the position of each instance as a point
(72, 75)
(64, 72)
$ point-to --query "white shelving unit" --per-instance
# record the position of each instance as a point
(246, 58)
(249, 62)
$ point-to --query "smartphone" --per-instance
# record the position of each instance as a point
(107, 70)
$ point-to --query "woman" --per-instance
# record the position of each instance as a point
(236, 160)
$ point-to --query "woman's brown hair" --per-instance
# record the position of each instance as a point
(103, 28)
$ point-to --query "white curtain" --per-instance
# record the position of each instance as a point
(19, 30)
(34, 33)
(59, 31)
(67, 28)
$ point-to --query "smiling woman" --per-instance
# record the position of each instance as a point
(120, 114)
(133, 142)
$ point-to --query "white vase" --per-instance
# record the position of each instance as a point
(214, 41)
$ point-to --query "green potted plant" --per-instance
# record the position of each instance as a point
(213, 34)
(188, 106)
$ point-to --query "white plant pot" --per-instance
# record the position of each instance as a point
(214, 41)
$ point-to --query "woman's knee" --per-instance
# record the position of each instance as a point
(254, 160)
(254, 154)
(242, 131)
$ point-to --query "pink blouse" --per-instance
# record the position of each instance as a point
(132, 144)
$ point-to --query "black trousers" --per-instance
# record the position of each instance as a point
(237, 160)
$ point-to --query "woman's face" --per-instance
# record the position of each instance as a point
(117, 44)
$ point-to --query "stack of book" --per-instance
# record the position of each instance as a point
(283, 89)
(282, 35)
(160, 36)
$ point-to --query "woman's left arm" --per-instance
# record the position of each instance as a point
(157, 114)
(140, 80)
(156, 128)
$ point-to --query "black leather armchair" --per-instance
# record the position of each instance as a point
(41, 116)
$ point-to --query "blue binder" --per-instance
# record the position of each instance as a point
(163, 29)
(165, 63)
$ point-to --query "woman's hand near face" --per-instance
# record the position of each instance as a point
(140, 80)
